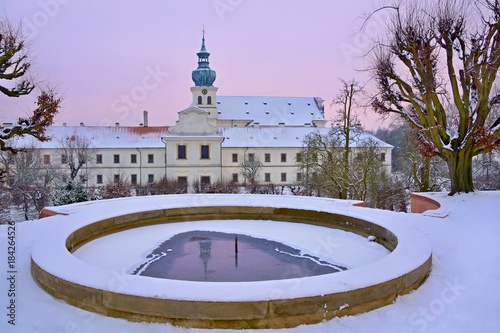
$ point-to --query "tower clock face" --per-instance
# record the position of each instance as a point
(204, 91)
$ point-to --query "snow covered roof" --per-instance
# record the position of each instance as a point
(104, 136)
(271, 111)
(150, 137)
(292, 137)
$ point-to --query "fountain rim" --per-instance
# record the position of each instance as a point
(405, 268)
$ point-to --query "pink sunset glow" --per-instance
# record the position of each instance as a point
(110, 60)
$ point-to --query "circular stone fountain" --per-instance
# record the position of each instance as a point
(270, 304)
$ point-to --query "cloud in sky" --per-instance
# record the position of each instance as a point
(111, 60)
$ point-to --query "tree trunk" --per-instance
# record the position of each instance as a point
(425, 175)
(460, 169)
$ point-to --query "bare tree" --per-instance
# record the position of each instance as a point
(5, 204)
(487, 171)
(76, 152)
(437, 71)
(14, 65)
(416, 172)
(322, 162)
(366, 168)
(249, 169)
(14, 60)
(346, 119)
(388, 193)
(29, 180)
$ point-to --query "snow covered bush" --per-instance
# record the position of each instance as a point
(69, 193)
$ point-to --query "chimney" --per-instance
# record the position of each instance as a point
(145, 118)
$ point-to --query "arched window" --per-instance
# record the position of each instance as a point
(209, 100)
(200, 100)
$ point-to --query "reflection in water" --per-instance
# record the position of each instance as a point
(228, 257)
(205, 247)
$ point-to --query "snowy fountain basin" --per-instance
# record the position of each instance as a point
(263, 304)
(210, 251)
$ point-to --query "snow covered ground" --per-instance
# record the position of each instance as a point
(461, 294)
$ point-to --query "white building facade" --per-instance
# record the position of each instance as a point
(209, 142)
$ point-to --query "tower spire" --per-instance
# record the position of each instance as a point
(203, 75)
(203, 40)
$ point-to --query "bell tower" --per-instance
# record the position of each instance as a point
(204, 92)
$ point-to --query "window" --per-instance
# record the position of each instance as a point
(382, 157)
(116, 178)
(235, 158)
(235, 177)
(267, 177)
(64, 159)
(83, 179)
(283, 176)
(133, 158)
(283, 157)
(183, 181)
(200, 100)
(99, 179)
(116, 158)
(46, 159)
(205, 180)
(314, 176)
(298, 158)
(151, 178)
(251, 157)
(205, 152)
(98, 159)
(181, 152)
(299, 176)
(209, 100)
(151, 158)
(133, 179)
(267, 158)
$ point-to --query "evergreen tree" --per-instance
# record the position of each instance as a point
(69, 193)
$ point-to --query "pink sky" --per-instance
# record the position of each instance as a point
(110, 60)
